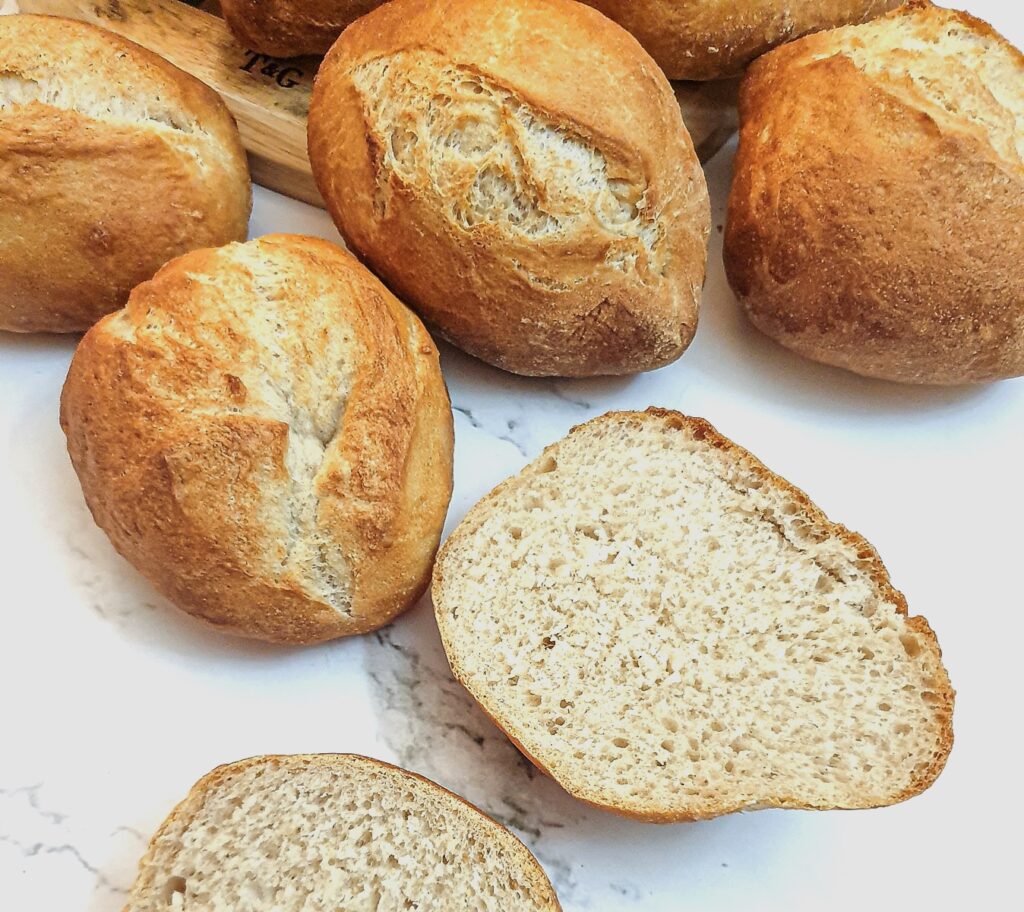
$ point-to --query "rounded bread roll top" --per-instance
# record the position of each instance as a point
(713, 39)
(288, 28)
(112, 162)
(265, 434)
(876, 221)
(520, 174)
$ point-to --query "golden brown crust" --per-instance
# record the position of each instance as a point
(112, 161)
(871, 228)
(713, 39)
(289, 28)
(586, 298)
(185, 811)
(265, 434)
(817, 524)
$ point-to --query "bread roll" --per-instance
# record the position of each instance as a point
(876, 221)
(112, 162)
(265, 434)
(519, 173)
(674, 632)
(287, 28)
(338, 832)
(711, 39)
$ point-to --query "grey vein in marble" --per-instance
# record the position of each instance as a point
(432, 726)
(37, 831)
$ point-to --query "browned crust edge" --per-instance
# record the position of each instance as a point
(292, 28)
(690, 56)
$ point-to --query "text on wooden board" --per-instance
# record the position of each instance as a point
(285, 75)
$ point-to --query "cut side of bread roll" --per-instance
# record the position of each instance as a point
(293, 834)
(674, 632)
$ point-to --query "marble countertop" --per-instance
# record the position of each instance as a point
(114, 702)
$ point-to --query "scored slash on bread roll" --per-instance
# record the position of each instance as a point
(519, 173)
(713, 39)
(265, 434)
(112, 162)
(674, 632)
(876, 220)
(288, 834)
(289, 28)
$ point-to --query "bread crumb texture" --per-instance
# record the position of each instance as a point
(489, 158)
(674, 632)
(322, 833)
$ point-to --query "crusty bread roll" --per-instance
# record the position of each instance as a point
(674, 632)
(876, 221)
(112, 162)
(265, 434)
(712, 39)
(517, 171)
(280, 834)
(287, 28)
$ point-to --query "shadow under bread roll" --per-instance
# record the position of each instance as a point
(876, 220)
(264, 433)
(112, 162)
(519, 173)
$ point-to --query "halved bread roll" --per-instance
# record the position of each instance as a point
(283, 834)
(674, 632)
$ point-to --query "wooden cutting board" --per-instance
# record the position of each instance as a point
(270, 97)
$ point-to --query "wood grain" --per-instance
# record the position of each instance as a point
(270, 97)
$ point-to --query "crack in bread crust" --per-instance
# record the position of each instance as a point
(112, 163)
(265, 433)
(549, 226)
(492, 159)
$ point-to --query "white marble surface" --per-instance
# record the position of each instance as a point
(114, 703)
